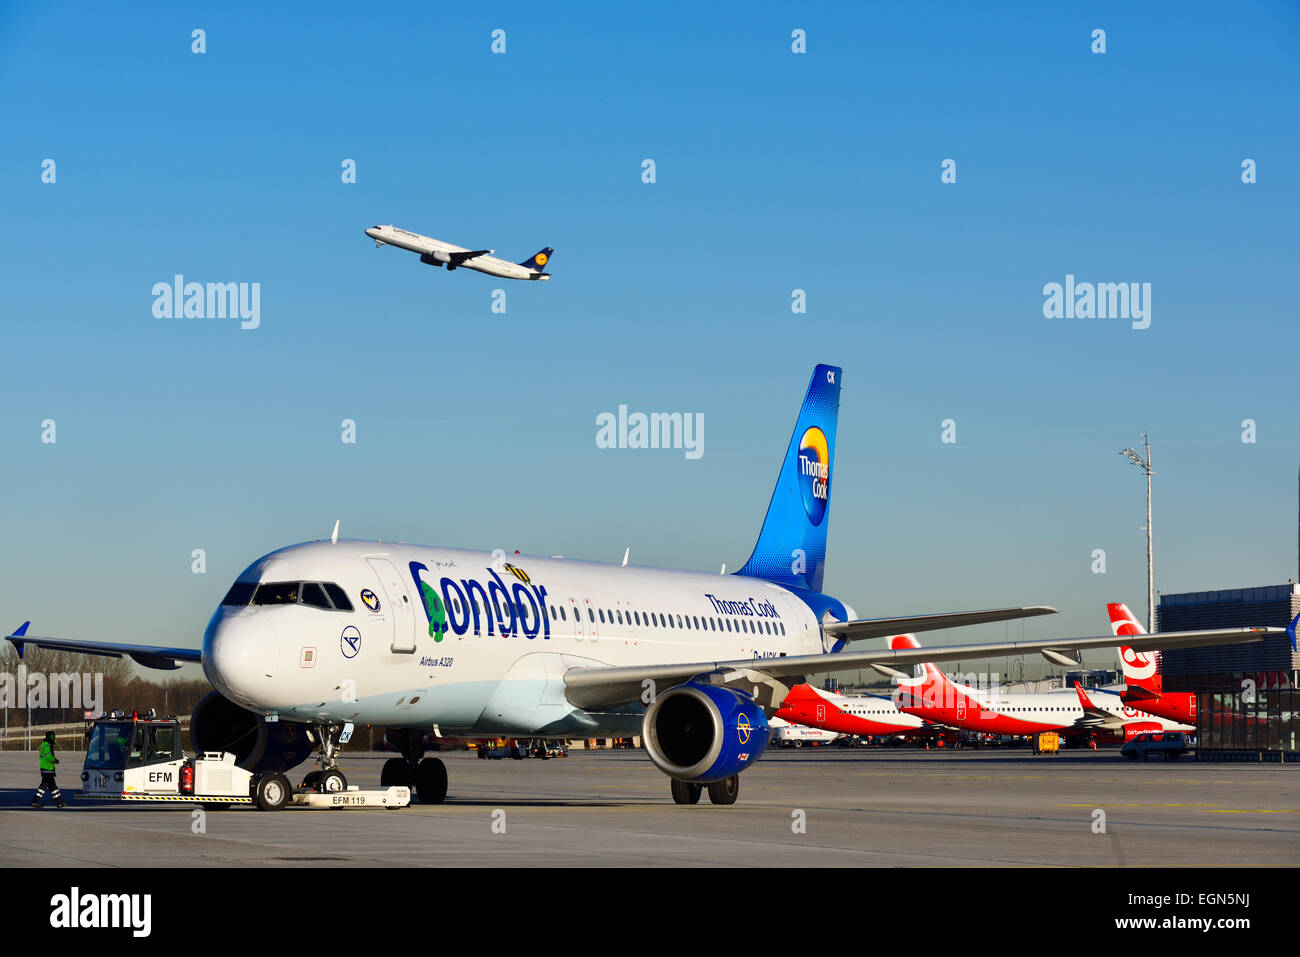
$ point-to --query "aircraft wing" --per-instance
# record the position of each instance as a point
(151, 656)
(459, 259)
(883, 627)
(593, 688)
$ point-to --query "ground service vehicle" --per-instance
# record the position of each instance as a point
(1046, 742)
(140, 759)
(1172, 744)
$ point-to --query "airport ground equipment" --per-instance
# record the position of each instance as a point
(1170, 744)
(1046, 742)
(141, 759)
(390, 797)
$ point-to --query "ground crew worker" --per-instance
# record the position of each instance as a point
(48, 761)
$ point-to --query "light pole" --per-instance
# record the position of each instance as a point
(1145, 465)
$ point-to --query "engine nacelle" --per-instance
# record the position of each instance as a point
(1134, 728)
(703, 733)
(434, 259)
(219, 724)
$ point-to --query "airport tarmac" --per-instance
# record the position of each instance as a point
(867, 807)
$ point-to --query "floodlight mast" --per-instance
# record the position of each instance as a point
(1145, 465)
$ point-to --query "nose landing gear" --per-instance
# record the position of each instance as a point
(327, 778)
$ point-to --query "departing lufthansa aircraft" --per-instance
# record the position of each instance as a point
(314, 639)
(434, 252)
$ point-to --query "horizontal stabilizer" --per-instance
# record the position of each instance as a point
(1138, 693)
(881, 627)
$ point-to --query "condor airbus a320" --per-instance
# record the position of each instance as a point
(315, 638)
(434, 252)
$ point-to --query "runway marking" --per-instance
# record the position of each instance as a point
(1250, 810)
(1112, 804)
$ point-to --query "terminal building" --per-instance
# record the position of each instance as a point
(1247, 702)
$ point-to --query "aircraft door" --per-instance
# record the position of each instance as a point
(397, 602)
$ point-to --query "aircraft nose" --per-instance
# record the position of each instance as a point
(372, 232)
(239, 658)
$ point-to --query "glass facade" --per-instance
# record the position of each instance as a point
(1246, 712)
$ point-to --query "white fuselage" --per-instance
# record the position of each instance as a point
(1002, 713)
(426, 245)
(491, 661)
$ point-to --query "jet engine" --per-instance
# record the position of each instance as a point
(434, 259)
(703, 733)
(219, 724)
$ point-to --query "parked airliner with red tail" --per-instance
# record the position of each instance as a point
(1144, 685)
(869, 715)
(934, 696)
(314, 639)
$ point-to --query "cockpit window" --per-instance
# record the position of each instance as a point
(325, 595)
(314, 595)
(240, 594)
(338, 596)
(276, 593)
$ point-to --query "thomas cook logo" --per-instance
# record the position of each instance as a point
(814, 474)
(541, 259)
(743, 729)
(370, 599)
(350, 641)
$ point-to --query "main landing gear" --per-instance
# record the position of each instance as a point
(327, 778)
(720, 792)
(428, 776)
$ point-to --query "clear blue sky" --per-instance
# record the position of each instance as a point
(775, 171)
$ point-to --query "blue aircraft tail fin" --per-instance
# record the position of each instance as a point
(791, 548)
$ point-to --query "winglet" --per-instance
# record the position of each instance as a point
(22, 630)
(1290, 630)
(1084, 701)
